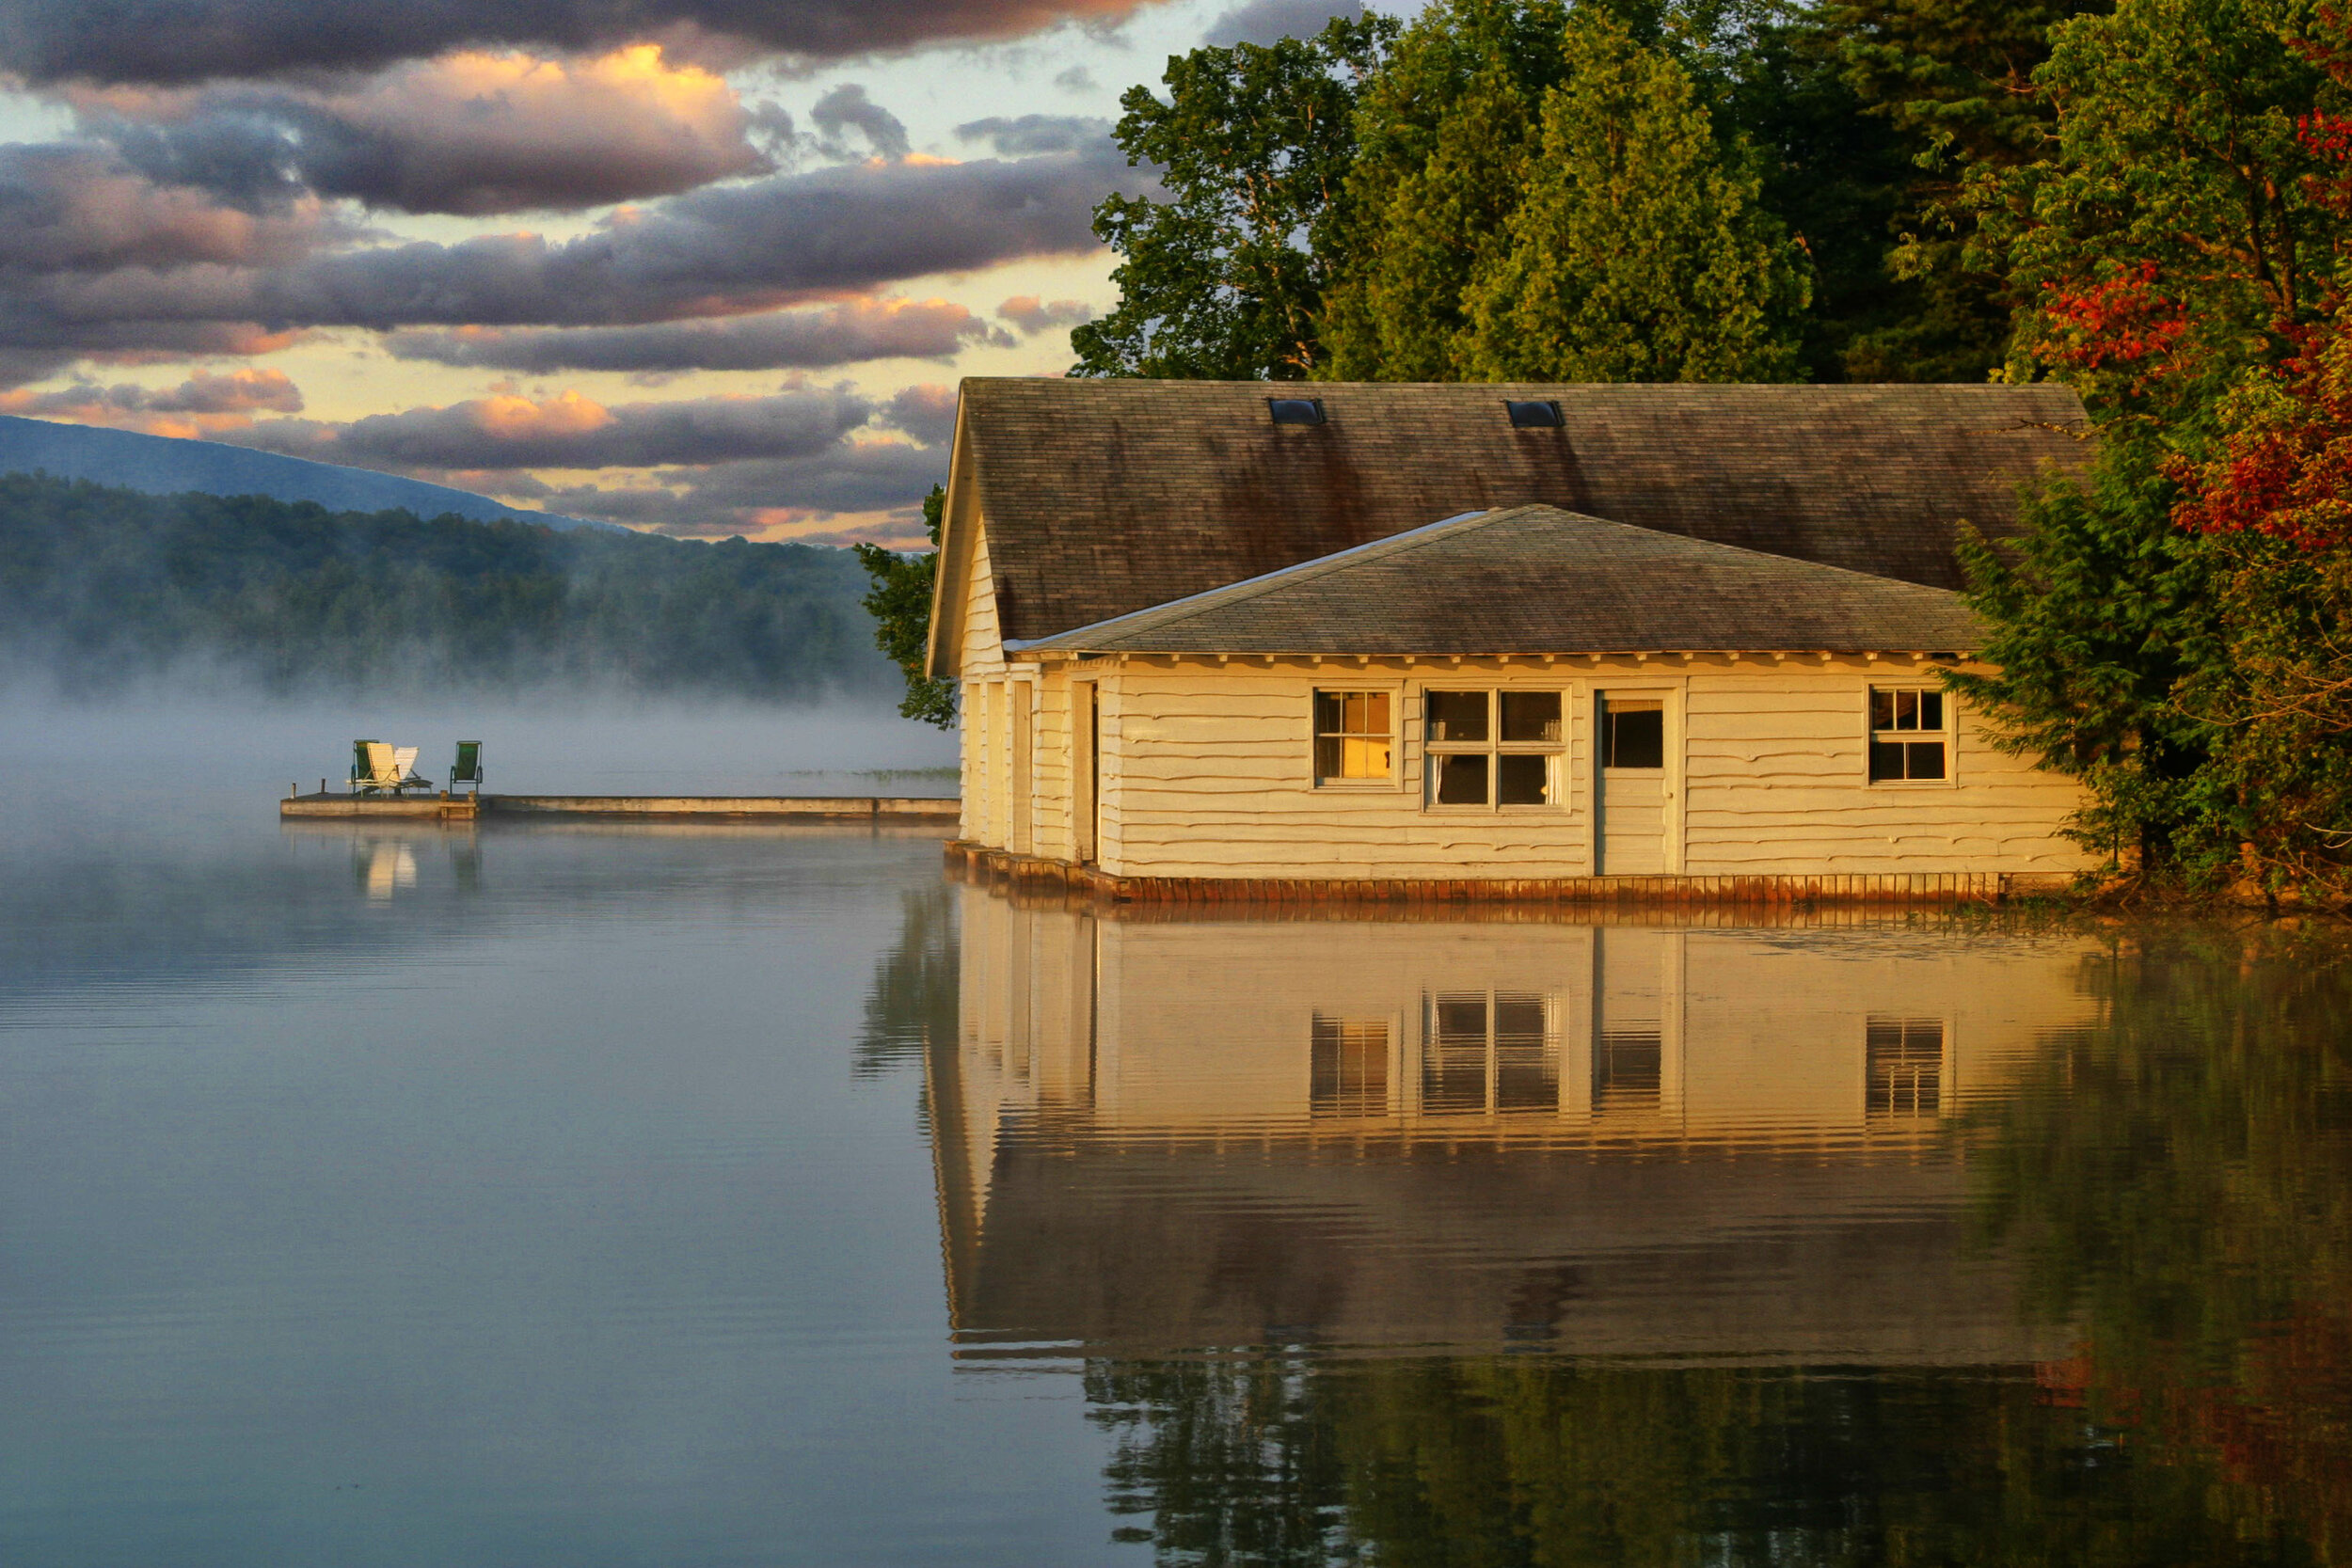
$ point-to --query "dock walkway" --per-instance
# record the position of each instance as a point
(912, 811)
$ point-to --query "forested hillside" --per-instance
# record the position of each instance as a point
(168, 465)
(2149, 199)
(102, 587)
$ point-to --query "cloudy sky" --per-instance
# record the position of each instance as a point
(701, 266)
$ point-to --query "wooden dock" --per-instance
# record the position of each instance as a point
(880, 810)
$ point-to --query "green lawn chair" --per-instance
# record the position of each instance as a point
(466, 770)
(373, 770)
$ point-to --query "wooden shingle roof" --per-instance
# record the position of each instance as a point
(1535, 579)
(1102, 498)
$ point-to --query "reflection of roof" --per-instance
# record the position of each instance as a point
(1534, 579)
(1124, 1247)
(1102, 498)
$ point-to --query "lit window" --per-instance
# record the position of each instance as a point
(1903, 1066)
(1907, 735)
(1349, 1074)
(1493, 747)
(1355, 737)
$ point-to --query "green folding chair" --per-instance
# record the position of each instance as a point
(466, 770)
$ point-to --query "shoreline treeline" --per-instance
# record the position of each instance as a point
(104, 588)
(2151, 201)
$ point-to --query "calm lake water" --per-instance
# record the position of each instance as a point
(583, 1195)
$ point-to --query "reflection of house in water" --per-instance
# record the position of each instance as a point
(1640, 1139)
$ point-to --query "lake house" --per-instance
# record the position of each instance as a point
(1232, 639)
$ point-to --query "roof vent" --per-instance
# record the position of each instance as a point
(1534, 416)
(1295, 410)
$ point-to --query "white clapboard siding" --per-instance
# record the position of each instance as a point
(982, 660)
(1776, 783)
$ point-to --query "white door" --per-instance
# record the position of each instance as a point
(1631, 797)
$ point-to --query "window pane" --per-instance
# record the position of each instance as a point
(1906, 710)
(1634, 740)
(1329, 707)
(1523, 780)
(1930, 710)
(1361, 758)
(1457, 716)
(1882, 709)
(1327, 749)
(1461, 781)
(1531, 716)
(1886, 760)
(1373, 708)
(1924, 759)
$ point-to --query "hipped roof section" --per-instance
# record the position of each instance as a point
(1105, 498)
(1535, 579)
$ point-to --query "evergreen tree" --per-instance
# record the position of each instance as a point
(1446, 129)
(900, 604)
(1954, 80)
(1641, 252)
(1225, 279)
(2099, 612)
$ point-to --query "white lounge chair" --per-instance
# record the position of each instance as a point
(373, 770)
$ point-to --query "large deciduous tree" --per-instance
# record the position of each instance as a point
(1224, 279)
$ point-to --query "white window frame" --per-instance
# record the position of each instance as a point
(1494, 748)
(1395, 781)
(1948, 733)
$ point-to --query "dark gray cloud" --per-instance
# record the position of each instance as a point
(196, 40)
(791, 340)
(725, 249)
(1034, 134)
(571, 432)
(1077, 78)
(80, 207)
(236, 392)
(470, 135)
(1265, 22)
(1032, 314)
(745, 498)
(927, 413)
(847, 107)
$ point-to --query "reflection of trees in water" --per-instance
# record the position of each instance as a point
(1526, 1459)
(911, 1001)
(2177, 1178)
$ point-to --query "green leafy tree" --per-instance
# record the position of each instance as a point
(1224, 279)
(2172, 234)
(1641, 252)
(900, 604)
(1447, 127)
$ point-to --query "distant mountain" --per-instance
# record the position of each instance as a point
(165, 466)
